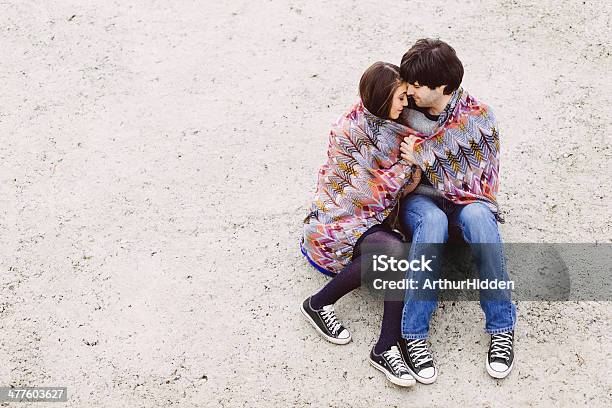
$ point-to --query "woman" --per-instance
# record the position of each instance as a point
(358, 188)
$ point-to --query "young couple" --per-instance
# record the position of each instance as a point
(419, 152)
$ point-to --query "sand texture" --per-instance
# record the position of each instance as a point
(157, 159)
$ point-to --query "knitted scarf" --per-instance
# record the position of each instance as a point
(357, 188)
(461, 156)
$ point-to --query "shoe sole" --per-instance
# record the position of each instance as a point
(391, 378)
(497, 374)
(325, 336)
(423, 380)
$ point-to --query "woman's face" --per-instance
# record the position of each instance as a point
(400, 99)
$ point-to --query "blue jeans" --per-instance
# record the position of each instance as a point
(428, 220)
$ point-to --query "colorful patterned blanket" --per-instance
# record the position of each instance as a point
(461, 156)
(358, 186)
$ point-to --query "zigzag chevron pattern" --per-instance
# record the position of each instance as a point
(461, 156)
(363, 177)
(357, 187)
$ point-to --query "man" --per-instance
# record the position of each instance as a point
(457, 147)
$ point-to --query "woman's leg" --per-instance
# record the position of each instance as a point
(377, 242)
(391, 327)
(346, 281)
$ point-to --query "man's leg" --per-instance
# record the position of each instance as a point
(428, 224)
(479, 228)
(421, 217)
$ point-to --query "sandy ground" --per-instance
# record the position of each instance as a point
(157, 158)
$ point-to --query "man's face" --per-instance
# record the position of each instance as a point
(424, 96)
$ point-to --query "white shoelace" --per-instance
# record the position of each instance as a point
(418, 351)
(329, 317)
(396, 361)
(501, 345)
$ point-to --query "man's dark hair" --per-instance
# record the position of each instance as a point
(432, 63)
(376, 88)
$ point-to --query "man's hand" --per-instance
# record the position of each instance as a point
(416, 179)
(407, 149)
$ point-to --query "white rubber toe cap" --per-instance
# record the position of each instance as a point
(498, 370)
(499, 367)
(344, 335)
(427, 373)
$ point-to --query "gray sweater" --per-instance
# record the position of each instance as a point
(420, 120)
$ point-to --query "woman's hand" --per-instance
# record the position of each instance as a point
(407, 149)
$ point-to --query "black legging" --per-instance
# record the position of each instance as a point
(377, 240)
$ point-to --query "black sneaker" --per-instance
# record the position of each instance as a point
(419, 360)
(500, 357)
(393, 365)
(326, 323)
